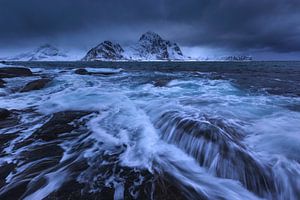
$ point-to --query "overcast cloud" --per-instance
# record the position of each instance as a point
(271, 26)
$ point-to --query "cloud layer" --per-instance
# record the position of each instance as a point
(239, 25)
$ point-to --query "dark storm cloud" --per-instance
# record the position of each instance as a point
(271, 25)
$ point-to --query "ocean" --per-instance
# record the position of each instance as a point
(152, 130)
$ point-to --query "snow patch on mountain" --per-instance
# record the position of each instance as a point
(153, 47)
(45, 52)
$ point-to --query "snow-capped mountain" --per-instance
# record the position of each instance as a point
(107, 50)
(45, 52)
(153, 47)
(149, 47)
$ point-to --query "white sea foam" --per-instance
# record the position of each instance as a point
(126, 112)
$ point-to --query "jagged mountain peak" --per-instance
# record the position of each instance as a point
(150, 36)
(150, 46)
(153, 46)
(106, 50)
(110, 45)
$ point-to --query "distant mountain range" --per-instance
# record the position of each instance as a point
(150, 46)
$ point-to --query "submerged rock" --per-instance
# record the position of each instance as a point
(35, 85)
(10, 72)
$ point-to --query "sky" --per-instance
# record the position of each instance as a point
(265, 29)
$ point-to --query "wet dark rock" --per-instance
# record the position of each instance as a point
(42, 151)
(216, 141)
(165, 188)
(35, 85)
(81, 71)
(69, 190)
(14, 191)
(2, 83)
(35, 185)
(10, 72)
(217, 77)
(161, 82)
(4, 113)
(5, 170)
(5, 139)
(39, 166)
(8, 119)
(58, 124)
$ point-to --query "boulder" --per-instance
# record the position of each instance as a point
(10, 72)
(161, 82)
(35, 85)
(81, 71)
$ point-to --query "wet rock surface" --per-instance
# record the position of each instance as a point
(10, 72)
(58, 124)
(81, 71)
(161, 82)
(36, 85)
(216, 141)
(41, 157)
(86, 178)
(5, 170)
(8, 118)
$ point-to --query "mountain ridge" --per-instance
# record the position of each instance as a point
(150, 46)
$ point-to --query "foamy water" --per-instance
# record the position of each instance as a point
(209, 138)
